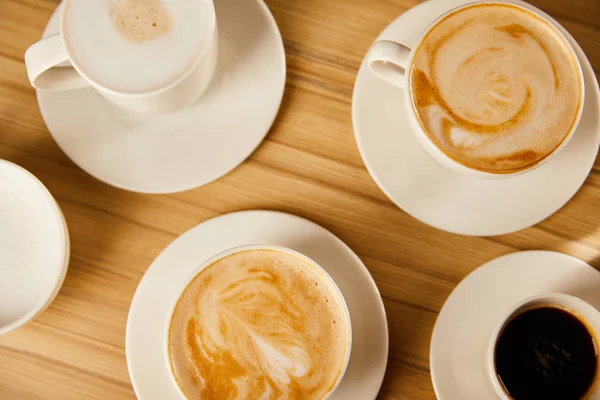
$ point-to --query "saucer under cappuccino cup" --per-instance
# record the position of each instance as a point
(258, 322)
(491, 88)
(149, 56)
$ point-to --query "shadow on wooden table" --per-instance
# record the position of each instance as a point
(89, 312)
(90, 207)
(93, 211)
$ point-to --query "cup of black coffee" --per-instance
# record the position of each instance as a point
(547, 348)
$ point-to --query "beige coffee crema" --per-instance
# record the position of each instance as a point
(495, 87)
(139, 21)
(258, 324)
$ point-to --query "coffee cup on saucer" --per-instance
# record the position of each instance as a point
(492, 89)
(258, 322)
(143, 55)
(546, 347)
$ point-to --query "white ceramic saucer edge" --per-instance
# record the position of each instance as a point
(464, 326)
(210, 142)
(424, 191)
(47, 299)
(368, 360)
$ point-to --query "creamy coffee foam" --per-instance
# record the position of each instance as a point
(135, 46)
(139, 21)
(258, 324)
(495, 87)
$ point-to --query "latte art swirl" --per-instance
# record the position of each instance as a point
(495, 87)
(257, 325)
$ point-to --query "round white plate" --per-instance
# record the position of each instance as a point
(34, 247)
(188, 148)
(158, 289)
(464, 327)
(444, 199)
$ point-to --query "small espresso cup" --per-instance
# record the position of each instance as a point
(323, 278)
(578, 308)
(392, 62)
(61, 62)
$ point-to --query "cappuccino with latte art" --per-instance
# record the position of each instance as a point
(259, 324)
(495, 87)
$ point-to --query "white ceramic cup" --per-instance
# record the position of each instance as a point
(326, 277)
(34, 247)
(51, 65)
(392, 61)
(574, 305)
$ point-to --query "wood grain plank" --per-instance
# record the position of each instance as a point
(309, 165)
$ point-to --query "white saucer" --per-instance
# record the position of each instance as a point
(442, 198)
(467, 320)
(145, 336)
(188, 148)
(34, 247)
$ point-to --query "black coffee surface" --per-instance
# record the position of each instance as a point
(546, 353)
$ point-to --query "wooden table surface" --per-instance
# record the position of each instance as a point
(309, 165)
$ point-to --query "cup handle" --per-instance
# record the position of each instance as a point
(389, 61)
(48, 66)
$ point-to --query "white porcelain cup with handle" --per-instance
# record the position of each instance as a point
(392, 62)
(149, 56)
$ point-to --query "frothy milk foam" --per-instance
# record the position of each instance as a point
(258, 324)
(135, 46)
(495, 87)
